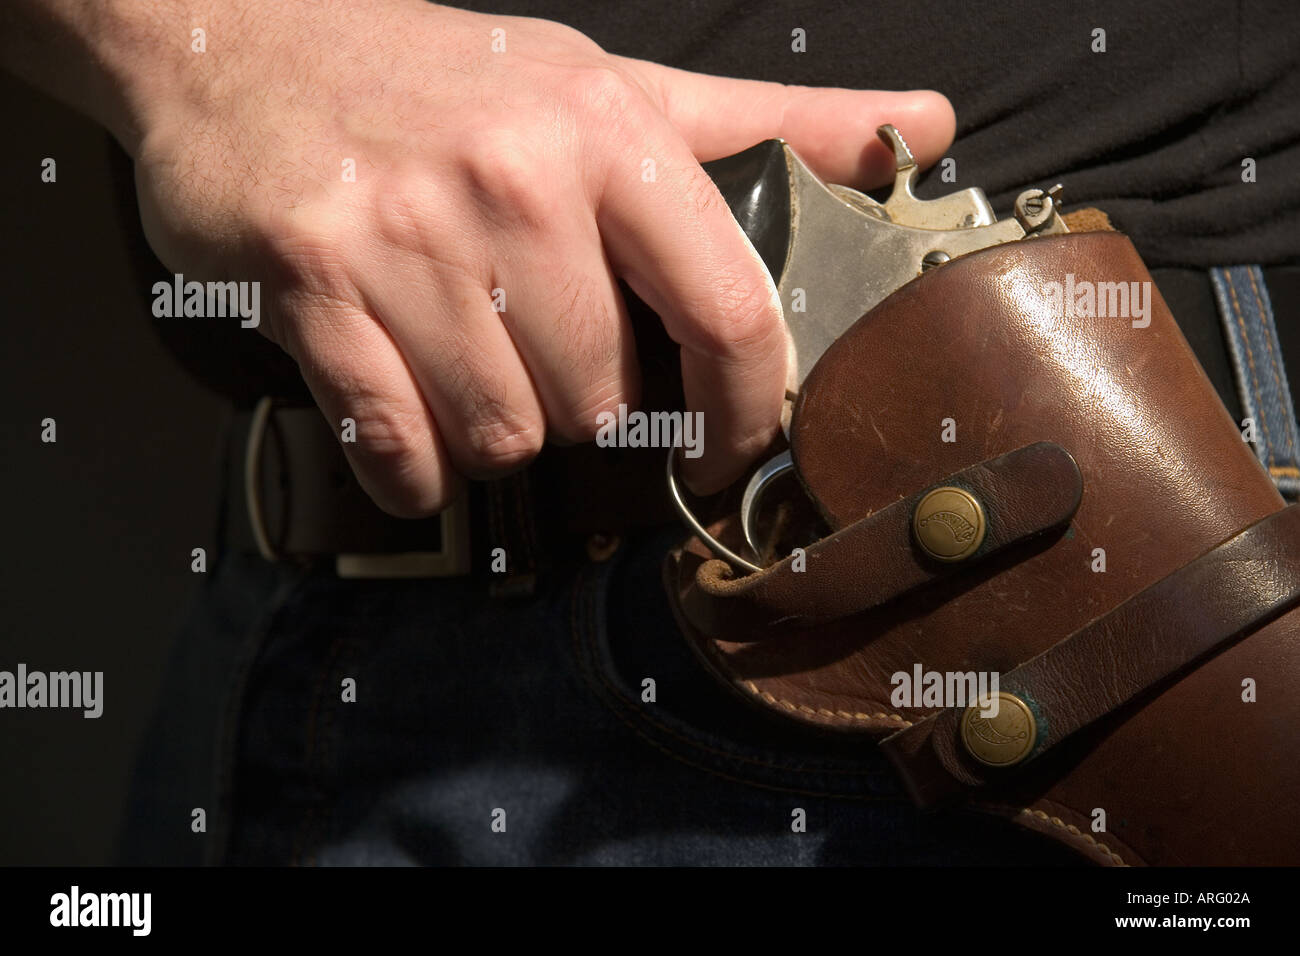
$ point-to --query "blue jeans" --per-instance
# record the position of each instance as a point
(470, 711)
(1250, 331)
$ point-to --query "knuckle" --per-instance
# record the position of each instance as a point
(701, 193)
(582, 424)
(401, 213)
(503, 442)
(510, 180)
(392, 460)
(393, 438)
(588, 334)
(741, 315)
(603, 94)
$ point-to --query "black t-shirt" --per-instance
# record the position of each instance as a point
(1154, 130)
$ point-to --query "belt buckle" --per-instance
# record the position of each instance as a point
(451, 559)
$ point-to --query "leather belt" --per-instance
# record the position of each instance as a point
(293, 498)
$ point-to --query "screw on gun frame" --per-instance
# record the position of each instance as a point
(1034, 207)
(1034, 211)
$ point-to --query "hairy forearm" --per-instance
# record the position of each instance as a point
(87, 54)
(123, 62)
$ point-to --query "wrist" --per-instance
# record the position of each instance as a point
(100, 57)
(133, 64)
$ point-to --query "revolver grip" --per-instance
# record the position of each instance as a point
(756, 185)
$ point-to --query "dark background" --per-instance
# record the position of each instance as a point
(99, 526)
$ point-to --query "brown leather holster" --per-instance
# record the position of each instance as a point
(1136, 585)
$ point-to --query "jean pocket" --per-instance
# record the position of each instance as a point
(632, 657)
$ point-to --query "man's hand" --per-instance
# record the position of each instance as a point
(498, 161)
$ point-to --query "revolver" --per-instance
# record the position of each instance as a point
(799, 224)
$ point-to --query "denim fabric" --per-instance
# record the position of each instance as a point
(184, 758)
(1249, 328)
(465, 705)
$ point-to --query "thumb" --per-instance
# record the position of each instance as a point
(832, 129)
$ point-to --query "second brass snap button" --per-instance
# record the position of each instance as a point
(1003, 740)
(949, 524)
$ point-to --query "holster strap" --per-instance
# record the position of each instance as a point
(1231, 590)
(874, 560)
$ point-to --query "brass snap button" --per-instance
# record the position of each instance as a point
(949, 524)
(1003, 740)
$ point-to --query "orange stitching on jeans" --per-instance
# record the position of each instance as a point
(1272, 356)
(1250, 359)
